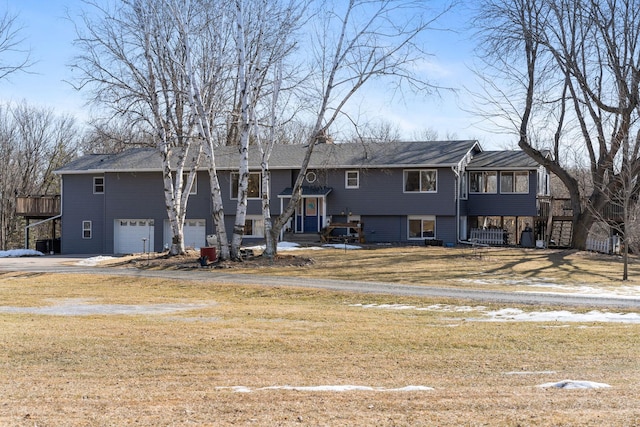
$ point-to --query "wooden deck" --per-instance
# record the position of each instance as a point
(38, 206)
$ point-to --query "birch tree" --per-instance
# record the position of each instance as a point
(128, 58)
(564, 75)
(262, 46)
(357, 42)
(207, 27)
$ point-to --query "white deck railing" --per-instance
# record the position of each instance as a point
(605, 246)
(492, 236)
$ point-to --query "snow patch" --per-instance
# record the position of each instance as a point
(93, 261)
(290, 246)
(574, 385)
(82, 307)
(15, 253)
(515, 314)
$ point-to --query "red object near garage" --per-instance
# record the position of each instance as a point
(209, 253)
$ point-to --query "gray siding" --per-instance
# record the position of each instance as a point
(381, 192)
(393, 228)
(504, 204)
(80, 204)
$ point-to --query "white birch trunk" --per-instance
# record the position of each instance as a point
(202, 116)
(243, 167)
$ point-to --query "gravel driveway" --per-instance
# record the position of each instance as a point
(68, 264)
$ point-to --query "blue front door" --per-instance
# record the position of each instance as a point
(310, 213)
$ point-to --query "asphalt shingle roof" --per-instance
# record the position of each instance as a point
(356, 155)
(502, 160)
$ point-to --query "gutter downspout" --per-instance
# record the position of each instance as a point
(456, 172)
(26, 238)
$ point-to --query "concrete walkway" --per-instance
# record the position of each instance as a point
(69, 264)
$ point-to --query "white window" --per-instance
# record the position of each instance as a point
(483, 182)
(194, 187)
(514, 182)
(421, 227)
(98, 185)
(352, 179)
(253, 185)
(86, 229)
(253, 226)
(421, 181)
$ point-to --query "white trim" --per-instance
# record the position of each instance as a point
(420, 191)
(346, 179)
(483, 183)
(421, 218)
(513, 174)
(89, 229)
(96, 185)
(257, 225)
(235, 196)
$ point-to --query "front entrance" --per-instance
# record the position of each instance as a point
(311, 213)
(309, 217)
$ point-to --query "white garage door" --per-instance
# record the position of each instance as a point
(133, 236)
(195, 233)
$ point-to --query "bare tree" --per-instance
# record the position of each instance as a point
(33, 143)
(262, 47)
(205, 33)
(11, 45)
(561, 73)
(133, 60)
(358, 42)
(112, 136)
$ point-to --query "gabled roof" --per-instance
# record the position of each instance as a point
(348, 155)
(496, 160)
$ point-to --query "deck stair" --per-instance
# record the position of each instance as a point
(560, 233)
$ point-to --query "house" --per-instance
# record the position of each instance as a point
(392, 192)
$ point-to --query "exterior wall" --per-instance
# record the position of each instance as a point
(496, 204)
(380, 200)
(381, 192)
(393, 228)
(80, 204)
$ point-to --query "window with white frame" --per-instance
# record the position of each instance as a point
(86, 229)
(98, 185)
(254, 184)
(352, 179)
(254, 226)
(420, 181)
(421, 227)
(514, 182)
(194, 187)
(483, 182)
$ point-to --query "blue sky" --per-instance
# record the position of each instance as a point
(50, 35)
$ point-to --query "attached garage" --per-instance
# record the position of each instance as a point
(133, 236)
(195, 233)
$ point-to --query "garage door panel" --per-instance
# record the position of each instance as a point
(194, 233)
(133, 235)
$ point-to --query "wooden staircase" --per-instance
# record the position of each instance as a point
(560, 233)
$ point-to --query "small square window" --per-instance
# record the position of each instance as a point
(352, 179)
(98, 185)
(86, 229)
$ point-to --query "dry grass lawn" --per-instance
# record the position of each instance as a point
(110, 367)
